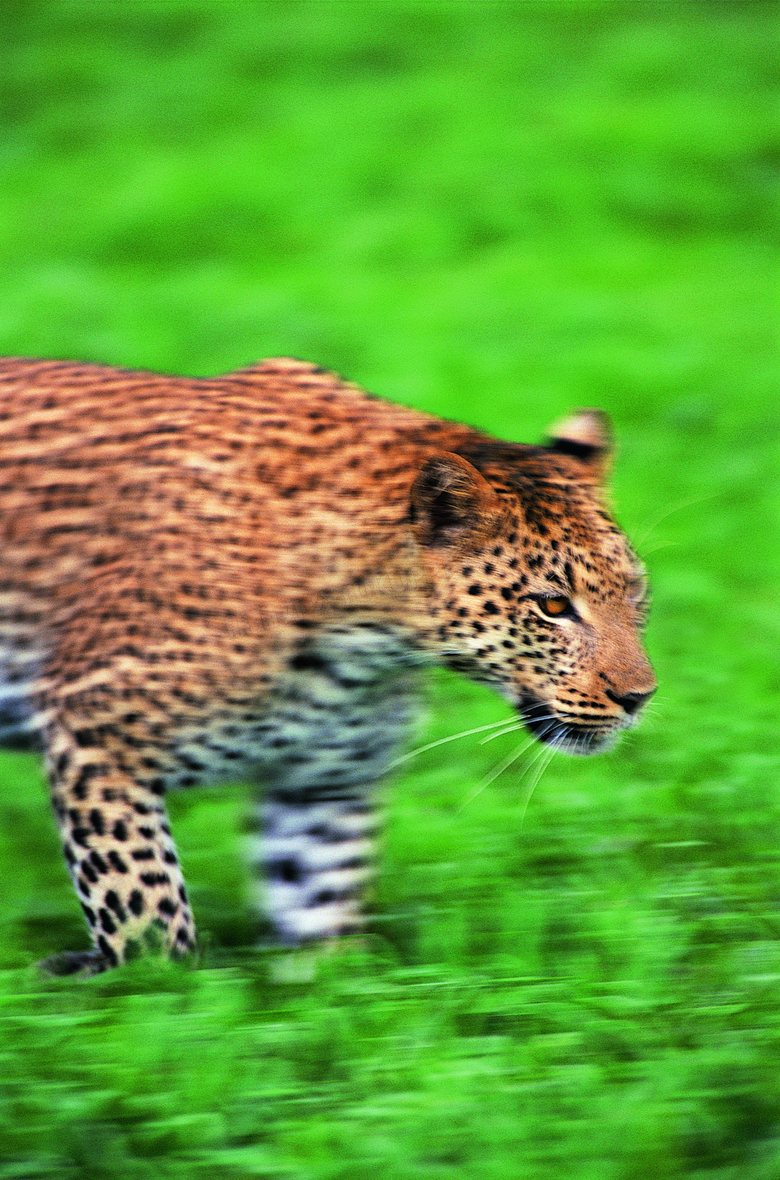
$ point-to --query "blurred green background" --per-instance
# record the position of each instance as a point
(494, 211)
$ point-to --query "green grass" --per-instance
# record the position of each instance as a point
(495, 211)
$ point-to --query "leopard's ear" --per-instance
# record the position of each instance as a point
(586, 435)
(451, 500)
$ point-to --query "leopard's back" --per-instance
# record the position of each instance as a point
(195, 514)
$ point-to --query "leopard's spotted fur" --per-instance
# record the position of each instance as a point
(238, 576)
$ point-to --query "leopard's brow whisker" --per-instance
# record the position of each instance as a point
(667, 512)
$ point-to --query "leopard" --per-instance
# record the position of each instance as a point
(243, 578)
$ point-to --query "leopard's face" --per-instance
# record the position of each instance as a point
(540, 595)
(555, 628)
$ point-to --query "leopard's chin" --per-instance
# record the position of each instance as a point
(569, 737)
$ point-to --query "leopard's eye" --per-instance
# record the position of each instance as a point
(555, 608)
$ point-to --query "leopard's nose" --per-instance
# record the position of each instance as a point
(631, 702)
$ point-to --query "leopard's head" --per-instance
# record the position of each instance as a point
(536, 590)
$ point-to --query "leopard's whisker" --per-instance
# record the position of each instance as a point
(512, 728)
(537, 768)
(452, 737)
(497, 771)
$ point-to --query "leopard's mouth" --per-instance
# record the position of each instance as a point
(562, 733)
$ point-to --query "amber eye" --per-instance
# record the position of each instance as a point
(555, 608)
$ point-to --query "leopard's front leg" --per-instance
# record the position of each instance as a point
(314, 831)
(314, 856)
(119, 851)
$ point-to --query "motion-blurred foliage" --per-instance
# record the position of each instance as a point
(495, 211)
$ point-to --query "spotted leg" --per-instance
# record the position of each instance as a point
(120, 854)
